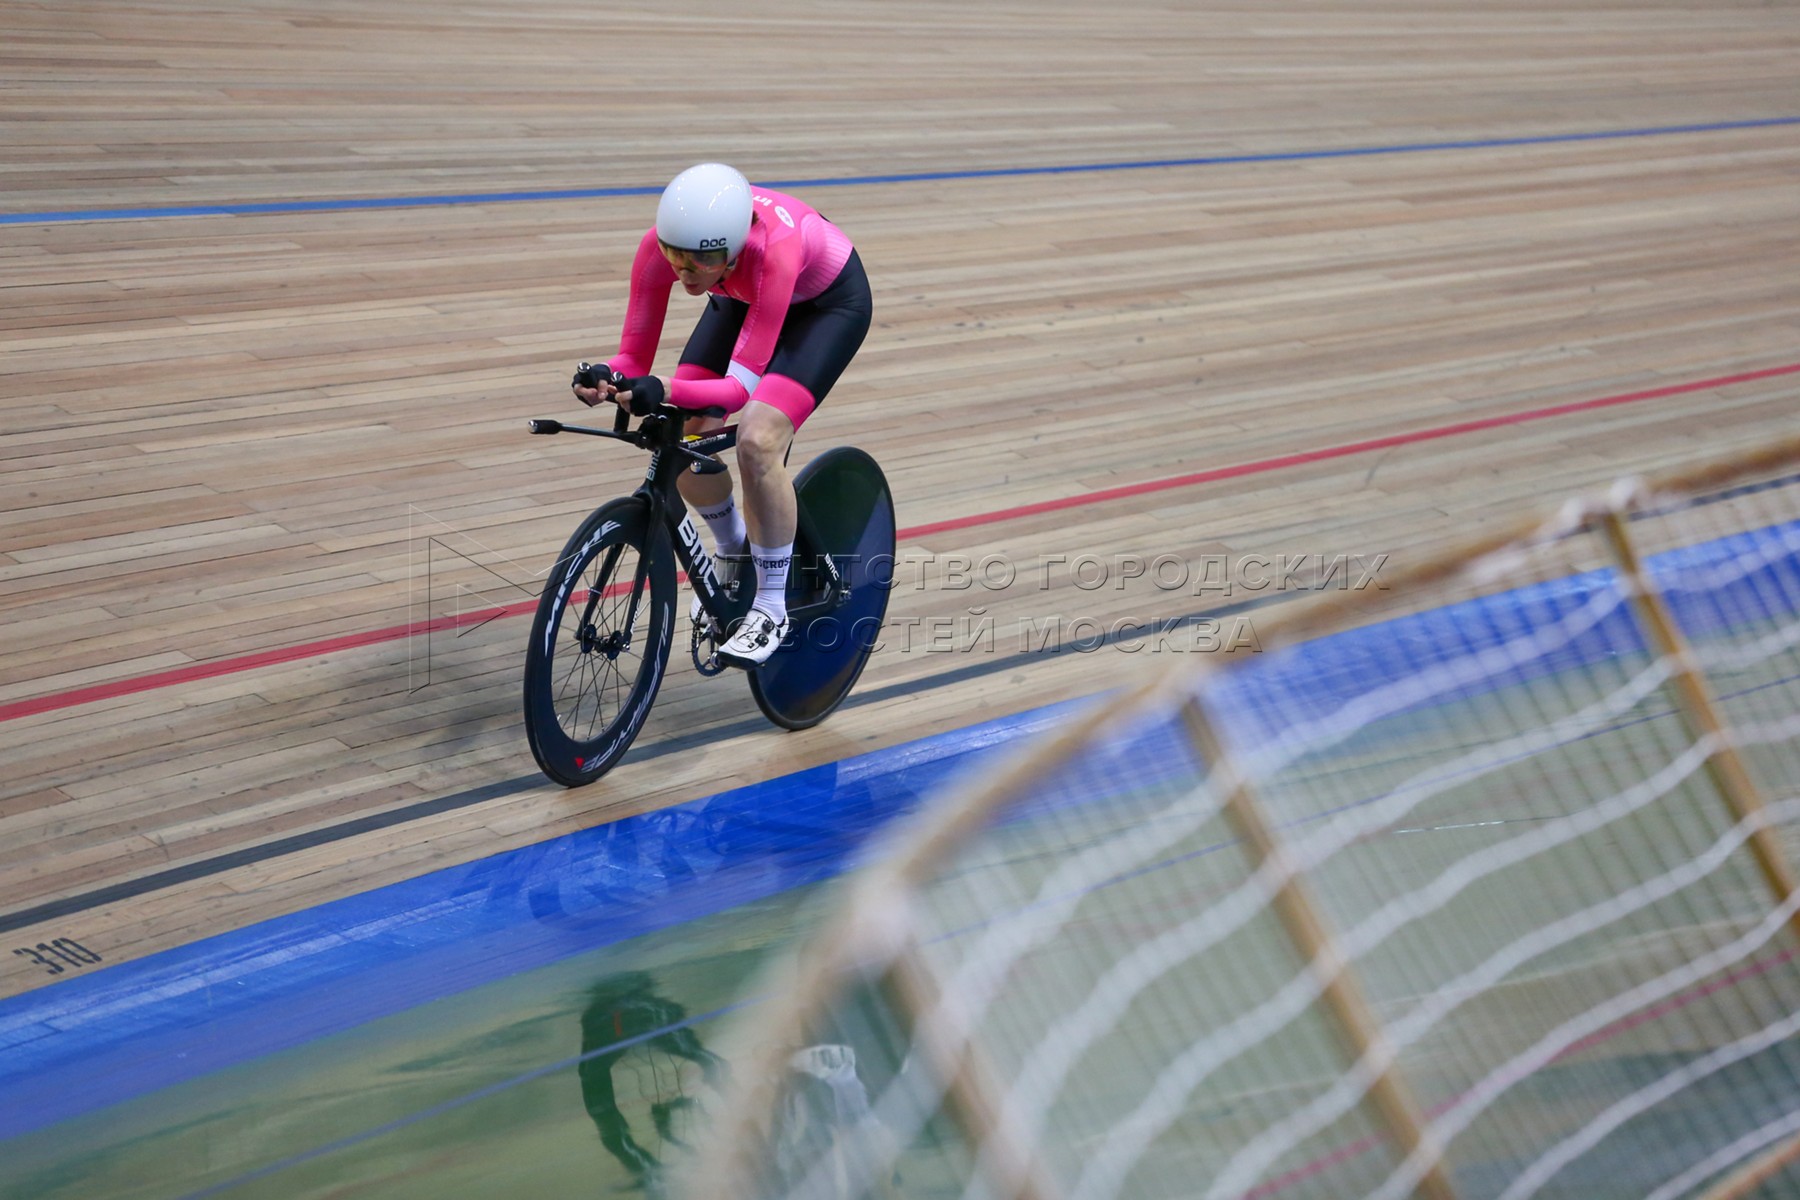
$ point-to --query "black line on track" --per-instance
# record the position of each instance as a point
(248, 855)
(264, 851)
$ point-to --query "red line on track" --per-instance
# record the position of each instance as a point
(250, 662)
(1264, 465)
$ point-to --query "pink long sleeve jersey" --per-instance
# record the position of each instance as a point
(791, 256)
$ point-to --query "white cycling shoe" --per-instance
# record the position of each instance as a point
(756, 639)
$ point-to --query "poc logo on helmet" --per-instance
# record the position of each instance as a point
(718, 243)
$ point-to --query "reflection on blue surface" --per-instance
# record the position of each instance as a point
(625, 1015)
(148, 1024)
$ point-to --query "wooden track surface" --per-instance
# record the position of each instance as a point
(232, 436)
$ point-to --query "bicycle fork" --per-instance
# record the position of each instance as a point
(617, 643)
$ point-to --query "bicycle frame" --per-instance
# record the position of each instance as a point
(588, 690)
(671, 452)
(668, 510)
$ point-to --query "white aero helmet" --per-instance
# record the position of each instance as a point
(705, 208)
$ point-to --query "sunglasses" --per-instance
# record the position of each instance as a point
(691, 260)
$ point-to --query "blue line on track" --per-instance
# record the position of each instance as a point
(469, 198)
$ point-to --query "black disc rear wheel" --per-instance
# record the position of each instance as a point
(850, 510)
(600, 643)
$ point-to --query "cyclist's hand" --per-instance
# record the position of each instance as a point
(643, 394)
(594, 383)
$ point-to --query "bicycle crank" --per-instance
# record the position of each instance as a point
(705, 649)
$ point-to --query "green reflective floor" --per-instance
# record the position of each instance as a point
(477, 1094)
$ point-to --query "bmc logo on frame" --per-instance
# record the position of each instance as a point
(700, 564)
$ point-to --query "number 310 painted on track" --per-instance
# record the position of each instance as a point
(47, 954)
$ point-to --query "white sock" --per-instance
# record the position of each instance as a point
(727, 526)
(772, 564)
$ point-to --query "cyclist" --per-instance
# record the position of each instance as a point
(787, 306)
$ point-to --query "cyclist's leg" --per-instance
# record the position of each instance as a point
(821, 336)
(765, 430)
(706, 356)
(818, 340)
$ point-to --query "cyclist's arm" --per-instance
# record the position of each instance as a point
(652, 278)
(774, 273)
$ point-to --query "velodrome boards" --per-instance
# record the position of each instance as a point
(1158, 287)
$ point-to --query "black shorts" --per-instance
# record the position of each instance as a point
(816, 343)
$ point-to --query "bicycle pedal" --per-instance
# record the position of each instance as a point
(708, 663)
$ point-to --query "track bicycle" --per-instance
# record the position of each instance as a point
(605, 623)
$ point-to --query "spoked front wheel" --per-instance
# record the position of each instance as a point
(850, 512)
(600, 643)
